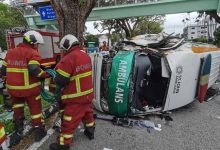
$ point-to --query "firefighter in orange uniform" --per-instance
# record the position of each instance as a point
(21, 67)
(74, 79)
(2, 135)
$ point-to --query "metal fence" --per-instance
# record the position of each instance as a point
(100, 3)
(106, 3)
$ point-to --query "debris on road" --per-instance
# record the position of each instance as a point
(128, 122)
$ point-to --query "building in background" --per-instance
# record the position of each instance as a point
(204, 28)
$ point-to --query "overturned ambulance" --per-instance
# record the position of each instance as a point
(151, 73)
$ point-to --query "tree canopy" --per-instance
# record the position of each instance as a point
(132, 26)
(212, 13)
(9, 18)
(217, 36)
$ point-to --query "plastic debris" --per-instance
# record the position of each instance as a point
(127, 122)
(6, 116)
(148, 125)
(107, 149)
(4, 146)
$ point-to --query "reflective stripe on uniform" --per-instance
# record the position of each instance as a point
(78, 77)
(38, 97)
(2, 132)
(61, 140)
(26, 80)
(77, 94)
(18, 105)
(33, 62)
(23, 87)
(4, 63)
(36, 116)
(63, 73)
(49, 63)
(67, 118)
(78, 87)
(67, 136)
(81, 75)
(41, 72)
(90, 124)
(19, 70)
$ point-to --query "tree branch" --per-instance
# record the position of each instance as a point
(213, 14)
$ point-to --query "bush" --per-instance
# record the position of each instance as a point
(217, 36)
(202, 39)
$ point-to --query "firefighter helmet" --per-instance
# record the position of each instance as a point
(68, 41)
(33, 37)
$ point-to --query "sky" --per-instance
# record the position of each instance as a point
(172, 24)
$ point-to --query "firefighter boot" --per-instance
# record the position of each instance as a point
(16, 137)
(40, 133)
(56, 146)
(89, 132)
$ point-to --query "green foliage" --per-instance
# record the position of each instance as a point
(132, 26)
(6, 120)
(82, 3)
(92, 38)
(9, 18)
(217, 36)
(201, 39)
(9, 126)
(114, 38)
(8, 123)
(45, 104)
(148, 27)
(105, 25)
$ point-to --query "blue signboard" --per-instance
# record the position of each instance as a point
(47, 13)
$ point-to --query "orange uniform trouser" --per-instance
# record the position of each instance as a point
(73, 114)
(34, 104)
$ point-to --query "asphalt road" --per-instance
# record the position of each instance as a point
(195, 127)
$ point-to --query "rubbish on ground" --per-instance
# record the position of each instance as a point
(127, 122)
(107, 149)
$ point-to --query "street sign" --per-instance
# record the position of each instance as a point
(47, 13)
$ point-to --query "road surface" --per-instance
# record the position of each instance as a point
(195, 127)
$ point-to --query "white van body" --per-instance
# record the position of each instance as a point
(179, 65)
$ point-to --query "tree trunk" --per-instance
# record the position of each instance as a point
(109, 33)
(122, 24)
(72, 15)
(214, 15)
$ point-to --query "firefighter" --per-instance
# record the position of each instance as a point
(2, 136)
(74, 79)
(21, 67)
